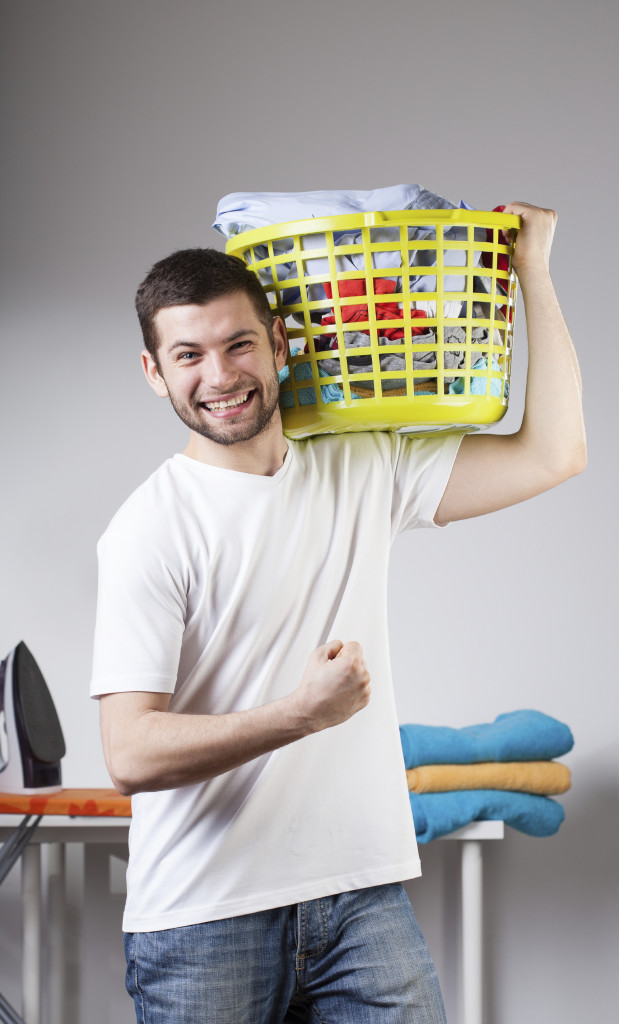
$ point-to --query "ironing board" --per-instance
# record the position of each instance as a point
(74, 803)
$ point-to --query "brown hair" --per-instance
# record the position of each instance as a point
(195, 277)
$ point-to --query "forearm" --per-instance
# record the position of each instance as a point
(148, 748)
(159, 749)
(552, 430)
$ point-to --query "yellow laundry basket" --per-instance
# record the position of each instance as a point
(396, 321)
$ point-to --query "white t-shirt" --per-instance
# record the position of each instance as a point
(215, 586)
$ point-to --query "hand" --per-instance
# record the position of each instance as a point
(334, 686)
(534, 239)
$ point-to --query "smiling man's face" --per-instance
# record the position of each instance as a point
(219, 366)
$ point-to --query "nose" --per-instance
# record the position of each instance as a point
(221, 372)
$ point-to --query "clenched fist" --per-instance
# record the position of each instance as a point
(334, 686)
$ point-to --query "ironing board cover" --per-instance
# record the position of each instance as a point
(88, 803)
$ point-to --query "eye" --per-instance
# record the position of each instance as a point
(240, 344)
(187, 357)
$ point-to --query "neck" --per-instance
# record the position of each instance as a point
(262, 455)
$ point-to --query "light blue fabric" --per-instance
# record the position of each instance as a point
(479, 385)
(437, 814)
(334, 393)
(357, 956)
(243, 211)
(307, 396)
(515, 736)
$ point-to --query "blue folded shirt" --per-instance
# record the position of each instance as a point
(437, 814)
(244, 211)
(515, 736)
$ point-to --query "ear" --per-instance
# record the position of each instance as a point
(153, 376)
(280, 340)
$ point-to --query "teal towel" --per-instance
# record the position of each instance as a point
(479, 385)
(307, 396)
(515, 736)
(437, 814)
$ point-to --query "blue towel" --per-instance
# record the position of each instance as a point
(436, 814)
(307, 396)
(515, 736)
(479, 385)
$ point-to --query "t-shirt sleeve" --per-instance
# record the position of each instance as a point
(422, 467)
(140, 618)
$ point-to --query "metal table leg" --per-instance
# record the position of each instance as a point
(31, 896)
(472, 940)
(56, 943)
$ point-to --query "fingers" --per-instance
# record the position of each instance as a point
(332, 648)
(351, 655)
(526, 210)
(350, 648)
(334, 686)
(336, 649)
(536, 218)
(534, 240)
(352, 652)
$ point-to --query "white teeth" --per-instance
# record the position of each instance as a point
(226, 405)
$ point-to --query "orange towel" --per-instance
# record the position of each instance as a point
(543, 777)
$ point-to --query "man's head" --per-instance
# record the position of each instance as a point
(194, 277)
(213, 346)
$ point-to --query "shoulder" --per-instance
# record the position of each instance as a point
(332, 461)
(343, 448)
(375, 448)
(154, 508)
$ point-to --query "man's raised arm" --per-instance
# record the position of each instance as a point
(493, 471)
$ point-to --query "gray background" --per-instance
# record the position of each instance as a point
(123, 124)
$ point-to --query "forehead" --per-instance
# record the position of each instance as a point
(212, 321)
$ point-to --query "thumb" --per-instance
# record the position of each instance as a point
(332, 648)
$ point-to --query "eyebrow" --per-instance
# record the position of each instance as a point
(224, 341)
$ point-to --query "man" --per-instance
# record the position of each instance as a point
(271, 826)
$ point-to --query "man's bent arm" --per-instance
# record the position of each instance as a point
(149, 748)
(493, 471)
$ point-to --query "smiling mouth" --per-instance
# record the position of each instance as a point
(228, 405)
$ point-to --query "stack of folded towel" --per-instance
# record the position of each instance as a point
(500, 771)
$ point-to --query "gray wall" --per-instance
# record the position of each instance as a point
(124, 123)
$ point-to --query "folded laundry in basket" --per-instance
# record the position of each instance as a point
(502, 260)
(515, 736)
(358, 312)
(244, 211)
(437, 814)
(423, 359)
(542, 777)
(479, 385)
(307, 396)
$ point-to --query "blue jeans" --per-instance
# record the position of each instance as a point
(355, 958)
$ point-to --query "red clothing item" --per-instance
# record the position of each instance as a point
(359, 313)
(502, 261)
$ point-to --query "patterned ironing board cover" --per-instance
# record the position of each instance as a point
(90, 803)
